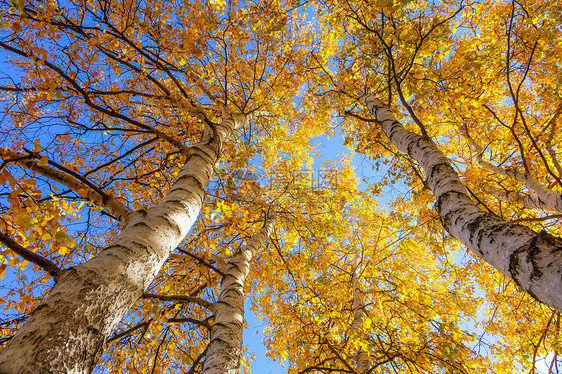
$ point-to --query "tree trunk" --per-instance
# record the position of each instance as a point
(363, 359)
(533, 260)
(225, 347)
(66, 333)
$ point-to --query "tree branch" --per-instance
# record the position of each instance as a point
(50, 267)
(544, 199)
(128, 331)
(180, 299)
(191, 320)
(71, 180)
(201, 260)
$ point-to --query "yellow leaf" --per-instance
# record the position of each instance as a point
(176, 257)
(43, 161)
(60, 235)
(69, 241)
(37, 145)
(23, 265)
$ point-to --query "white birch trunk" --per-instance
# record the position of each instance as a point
(533, 260)
(67, 332)
(363, 360)
(225, 347)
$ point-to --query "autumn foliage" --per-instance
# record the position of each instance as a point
(156, 160)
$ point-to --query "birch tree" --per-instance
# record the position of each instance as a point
(218, 345)
(511, 259)
(405, 322)
(531, 259)
(358, 307)
(224, 350)
(127, 100)
(114, 116)
(89, 300)
(479, 81)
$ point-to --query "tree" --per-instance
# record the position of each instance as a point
(475, 70)
(442, 69)
(223, 352)
(91, 298)
(61, 54)
(113, 110)
(531, 259)
(410, 317)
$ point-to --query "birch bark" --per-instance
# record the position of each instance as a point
(533, 260)
(363, 360)
(225, 347)
(67, 331)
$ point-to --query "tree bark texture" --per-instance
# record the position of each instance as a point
(66, 333)
(363, 359)
(225, 347)
(532, 260)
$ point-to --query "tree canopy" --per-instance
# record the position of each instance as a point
(160, 164)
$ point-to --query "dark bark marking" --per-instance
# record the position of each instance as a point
(416, 142)
(209, 156)
(141, 223)
(121, 248)
(185, 178)
(173, 223)
(445, 195)
(437, 168)
(479, 226)
(514, 267)
(532, 252)
(448, 218)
